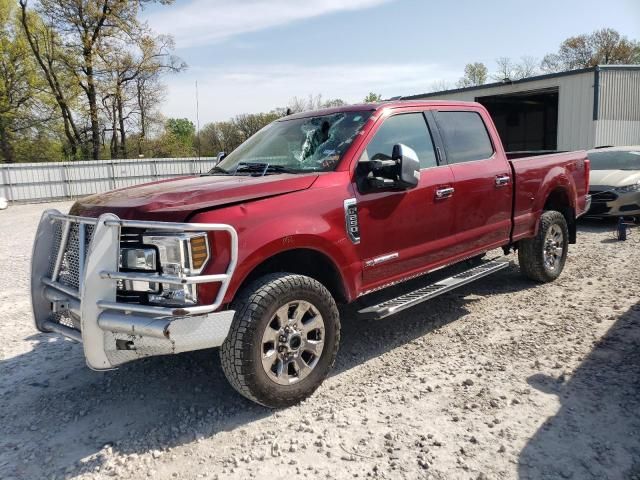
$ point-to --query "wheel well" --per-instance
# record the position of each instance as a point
(558, 200)
(303, 261)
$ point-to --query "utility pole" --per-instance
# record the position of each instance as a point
(198, 120)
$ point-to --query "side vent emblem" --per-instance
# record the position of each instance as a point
(351, 220)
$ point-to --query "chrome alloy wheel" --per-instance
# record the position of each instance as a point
(553, 247)
(292, 342)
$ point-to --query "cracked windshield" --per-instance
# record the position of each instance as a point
(296, 145)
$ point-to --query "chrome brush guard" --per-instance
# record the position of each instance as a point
(74, 275)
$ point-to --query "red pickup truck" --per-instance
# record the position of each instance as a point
(316, 209)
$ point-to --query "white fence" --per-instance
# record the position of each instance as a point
(39, 182)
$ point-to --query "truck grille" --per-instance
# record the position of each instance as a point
(67, 319)
(70, 269)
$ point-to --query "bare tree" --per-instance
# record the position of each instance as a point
(440, 86)
(506, 69)
(527, 67)
(124, 64)
(312, 102)
(509, 69)
(149, 95)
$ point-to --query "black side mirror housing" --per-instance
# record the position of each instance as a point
(220, 157)
(401, 172)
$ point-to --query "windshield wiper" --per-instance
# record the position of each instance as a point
(215, 171)
(262, 168)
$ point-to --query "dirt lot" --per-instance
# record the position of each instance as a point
(501, 379)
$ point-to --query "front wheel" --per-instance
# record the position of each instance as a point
(542, 257)
(283, 340)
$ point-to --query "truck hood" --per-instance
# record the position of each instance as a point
(614, 178)
(176, 199)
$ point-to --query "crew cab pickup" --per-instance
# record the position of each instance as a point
(316, 209)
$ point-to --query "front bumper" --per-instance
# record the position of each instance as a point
(608, 203)
(74, 275)
(587, 205)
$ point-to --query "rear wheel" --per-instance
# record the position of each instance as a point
(283, 340)
(542, 257)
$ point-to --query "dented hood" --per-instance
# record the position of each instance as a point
(176, 199)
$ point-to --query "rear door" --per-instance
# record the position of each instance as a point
(482, 180)
(404, 231)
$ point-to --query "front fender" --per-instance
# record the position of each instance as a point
(346, 267)
(312, 219)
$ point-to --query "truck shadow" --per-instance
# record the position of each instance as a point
(62, 413)
(55, 413)
(595, 432)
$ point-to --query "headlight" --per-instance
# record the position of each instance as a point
(138, 258)
(181, 255)
(628, 188)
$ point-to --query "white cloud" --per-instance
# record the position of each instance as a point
(202, 22)
(225, 92)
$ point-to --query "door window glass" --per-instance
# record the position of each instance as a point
(409, 129)
(465, 136)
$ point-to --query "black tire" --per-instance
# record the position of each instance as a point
(533, 251)
(242, 352)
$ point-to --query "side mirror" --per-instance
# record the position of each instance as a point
(408, 166)
(401, 172)
(220, 157)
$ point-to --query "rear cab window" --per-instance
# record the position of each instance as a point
(409, 129)
(465, 136)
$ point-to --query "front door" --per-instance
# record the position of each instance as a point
(403, 232)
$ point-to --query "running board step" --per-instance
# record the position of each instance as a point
(407, 300)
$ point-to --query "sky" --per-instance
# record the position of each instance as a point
(255, 55)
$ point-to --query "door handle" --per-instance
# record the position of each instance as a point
(502, 180)
(444, 192)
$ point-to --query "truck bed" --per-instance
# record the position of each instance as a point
(533, 186)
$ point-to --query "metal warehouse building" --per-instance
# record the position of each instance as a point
(581, 109)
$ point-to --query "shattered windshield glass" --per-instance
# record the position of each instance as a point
(297, 145)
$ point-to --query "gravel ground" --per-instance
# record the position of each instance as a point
(500, 379)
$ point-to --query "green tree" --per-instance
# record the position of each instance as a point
(249, 123)
(372, 98)
(78, 29)
(474, 74)
(22, 107)
(182, 128)
(333, 102)
(601, 47)
(46, 46)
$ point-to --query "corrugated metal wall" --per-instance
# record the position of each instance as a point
(619, 107)
(575, 105)
(36, 182)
